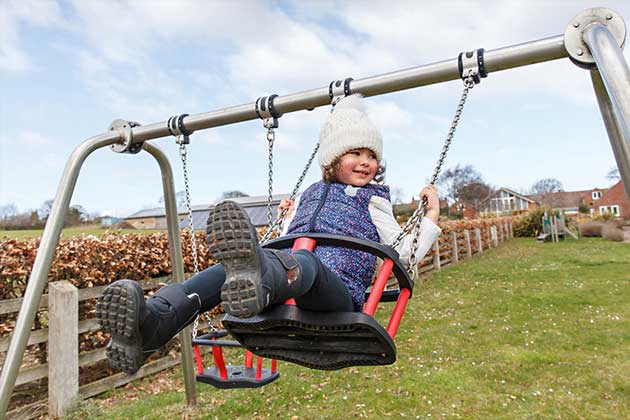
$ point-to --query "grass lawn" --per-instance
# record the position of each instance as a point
(526, 331)
(70, 232)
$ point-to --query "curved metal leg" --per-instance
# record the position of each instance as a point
(611, 81)
(43, 261)
(177, 261)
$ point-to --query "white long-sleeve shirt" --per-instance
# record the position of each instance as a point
(382, 214)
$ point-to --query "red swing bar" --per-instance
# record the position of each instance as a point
(232, 376)
(376, 292)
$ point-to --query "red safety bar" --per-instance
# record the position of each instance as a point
(375, 293)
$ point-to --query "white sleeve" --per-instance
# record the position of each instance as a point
(382, 215)
(289, 217)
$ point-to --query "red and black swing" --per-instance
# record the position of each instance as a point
(335, 340)
(325, 340)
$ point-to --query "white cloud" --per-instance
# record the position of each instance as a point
(14, 14)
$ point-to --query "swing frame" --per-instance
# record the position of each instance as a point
(594, 40)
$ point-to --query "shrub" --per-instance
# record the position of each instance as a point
(530, 224)
(591, 228)
(611, 232)
(605, 217)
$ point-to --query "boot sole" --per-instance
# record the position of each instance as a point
(231, 241)
(118, 311)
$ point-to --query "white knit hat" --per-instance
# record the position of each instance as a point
(348, 127)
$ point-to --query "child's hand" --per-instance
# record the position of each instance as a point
(433, 202)
(287, 204)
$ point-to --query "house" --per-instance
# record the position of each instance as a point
(599, 200)
(613, 200)
(567, 202)
(155, 218)
(506, 202)
(110, 220)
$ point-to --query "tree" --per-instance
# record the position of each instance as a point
(546, 186)
(613, 174)
(44, 210)
(453, 180)
(466, 185)
(7, 211)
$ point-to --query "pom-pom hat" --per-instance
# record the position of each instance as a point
(348, 127)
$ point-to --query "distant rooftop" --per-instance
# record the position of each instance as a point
(243, 201)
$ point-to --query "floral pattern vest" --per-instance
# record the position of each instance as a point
(341, 209)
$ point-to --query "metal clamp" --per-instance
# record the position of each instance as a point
(175, 126)
(574, 43)
(471, 64)
(338, 89)
(124, 127)
(267, 112)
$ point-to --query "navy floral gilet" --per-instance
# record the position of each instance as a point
(341, 209)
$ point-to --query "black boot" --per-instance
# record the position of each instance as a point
(255, 278)
(137, 328)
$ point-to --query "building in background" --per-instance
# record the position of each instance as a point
(256, 208)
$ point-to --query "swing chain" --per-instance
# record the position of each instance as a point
(175, 126)
(417, 216)
(270, 124)
(276, 226)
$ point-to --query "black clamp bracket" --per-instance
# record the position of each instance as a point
(175, 126)
(339, 89)
(267, 112)
(471, 64)
(127, 145)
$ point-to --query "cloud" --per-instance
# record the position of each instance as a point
(14, 15)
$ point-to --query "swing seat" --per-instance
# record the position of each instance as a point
(230, 376)
(325, 340)
(237, 377)
(318, 340)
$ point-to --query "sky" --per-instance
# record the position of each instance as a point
(69, 68)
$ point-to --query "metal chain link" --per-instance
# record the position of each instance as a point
(271, 136)
(193, 242)
(417, 216)
(277, 224)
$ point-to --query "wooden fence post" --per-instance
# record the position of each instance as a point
(511, 229)
(479, 243)
(454, 250)
(436, 254)
(495, 238)
(63, 347)
(468, 247)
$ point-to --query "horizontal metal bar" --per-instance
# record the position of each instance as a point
(519, 55)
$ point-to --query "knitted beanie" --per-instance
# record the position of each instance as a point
(348, 127)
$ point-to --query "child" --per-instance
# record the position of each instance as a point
(250, 278)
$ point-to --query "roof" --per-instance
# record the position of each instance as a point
(514, 193)
(243, 201)
(257, 215)
(561, 200)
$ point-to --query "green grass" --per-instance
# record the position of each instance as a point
(71, 232)
(526, 331)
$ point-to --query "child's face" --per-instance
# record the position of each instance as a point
(357, 167)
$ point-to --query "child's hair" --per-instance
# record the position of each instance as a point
(329, 173)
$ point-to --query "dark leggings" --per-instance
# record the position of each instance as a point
(319, 289)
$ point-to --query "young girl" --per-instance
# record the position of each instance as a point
(250, 278)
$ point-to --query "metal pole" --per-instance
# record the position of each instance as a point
(611, 81)
(177, 262)
(519, 55)
(39, 275)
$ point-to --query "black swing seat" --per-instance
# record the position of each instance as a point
(237, 376)
(322, 340)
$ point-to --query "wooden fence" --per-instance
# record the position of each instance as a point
(62, 335)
